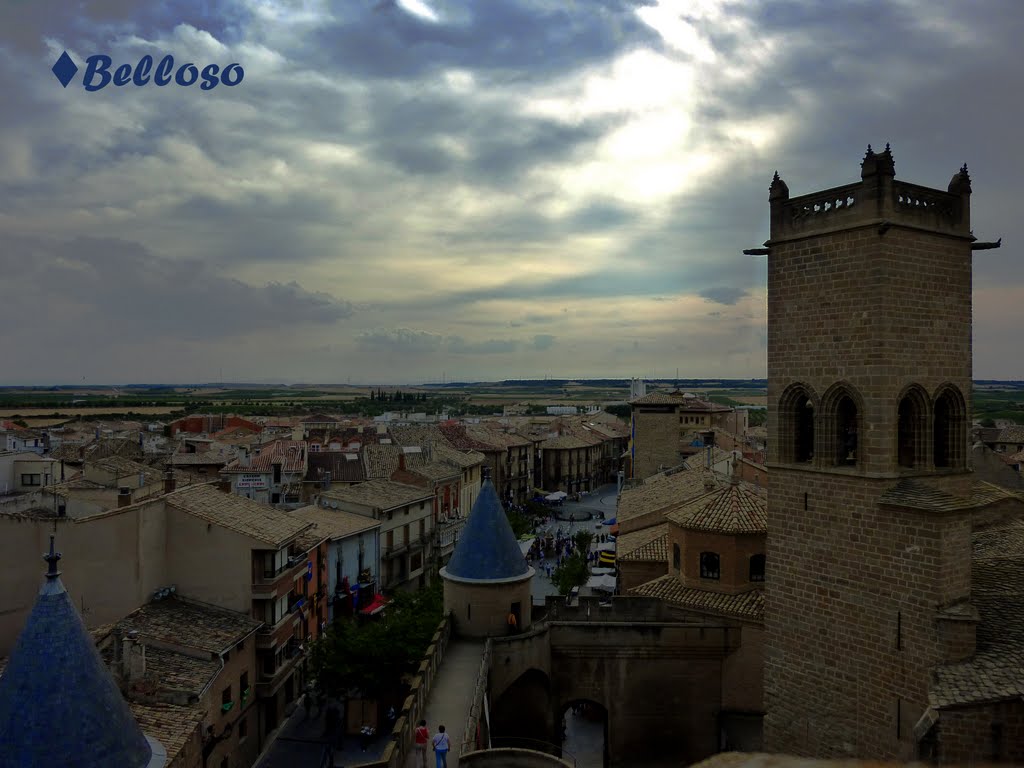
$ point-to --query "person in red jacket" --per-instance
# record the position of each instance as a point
(422, 739)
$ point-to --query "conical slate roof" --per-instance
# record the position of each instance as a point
(487, 548)
(59, 705)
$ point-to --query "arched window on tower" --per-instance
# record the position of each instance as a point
(796, 425)
(757, 568)
(709, 565)
(950, 428)
(676, 557)
(912, 429)
(846, 432)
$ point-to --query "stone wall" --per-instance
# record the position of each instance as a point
(656, 442)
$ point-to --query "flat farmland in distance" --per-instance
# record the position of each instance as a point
(30, 413)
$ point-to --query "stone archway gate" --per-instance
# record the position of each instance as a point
(660, 680)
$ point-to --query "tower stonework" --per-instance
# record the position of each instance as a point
(869, 520)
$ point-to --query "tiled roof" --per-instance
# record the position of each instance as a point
(290, 453)
(747, 605)
(648, 545)
(731, 510)
(487, 549)
(566, 442)
(113, 446)
(700, 459)
(425, 465)
(310, 539)
(462, 459)
(171, 725)
(67, 452)
(189, 623)
(336, 523)
(496, 437)
(59, 704)
(996, 671)
(916, 494)
(200, 459)
(380, 494)
(344, 467)
(679, 398)
(667, 491)
(416, 434)
(124, 467)
(250, 518)
(458, 436)
(380, 461)
(1012, 434)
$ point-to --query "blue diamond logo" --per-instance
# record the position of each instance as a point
(64, 69)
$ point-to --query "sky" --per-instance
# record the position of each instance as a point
(405, 191)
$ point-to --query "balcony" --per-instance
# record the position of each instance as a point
(268, 685)
(270, 637)
(267, 584)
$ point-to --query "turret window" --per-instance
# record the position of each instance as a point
(757, 568)
(710, 567)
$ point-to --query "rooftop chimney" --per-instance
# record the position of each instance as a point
(168, 481)
(225, 485)
(133, 657)
(401, 460)
(124, 497)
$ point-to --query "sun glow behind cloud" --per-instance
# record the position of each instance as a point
(559, 187)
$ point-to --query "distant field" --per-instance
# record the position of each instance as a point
(36, 413)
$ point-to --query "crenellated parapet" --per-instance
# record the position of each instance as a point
(878, 198)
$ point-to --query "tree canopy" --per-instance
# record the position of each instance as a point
(373, 656)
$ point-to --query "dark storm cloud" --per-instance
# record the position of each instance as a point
(509, 41)
(123, 292)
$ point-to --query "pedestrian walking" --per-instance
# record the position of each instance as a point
(441, 744)
(422, 737)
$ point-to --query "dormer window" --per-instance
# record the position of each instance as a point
(676, 557)
(710, 566)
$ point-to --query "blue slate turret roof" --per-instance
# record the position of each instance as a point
(59, 705)
(487, 548)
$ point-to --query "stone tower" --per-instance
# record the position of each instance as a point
(487, 578)
(869, 522)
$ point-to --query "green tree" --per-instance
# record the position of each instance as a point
(621, 410)
(989, 423)
(374, 656)
(573, 572)
(522, 525)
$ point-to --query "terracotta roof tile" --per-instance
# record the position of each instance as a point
(290, 453)
(379, 494)
(336, 523)
(171, 725)
(189, 623)
(749, 604)
(250, 518)
(996, 671)
(666, 491)
(648, 545)
(380, 461)
(731, 510)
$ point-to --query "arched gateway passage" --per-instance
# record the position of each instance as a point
(584, 725)
(522, 715)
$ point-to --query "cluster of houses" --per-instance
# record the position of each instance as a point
(210, 552)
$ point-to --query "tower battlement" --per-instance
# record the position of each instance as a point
(878, 198)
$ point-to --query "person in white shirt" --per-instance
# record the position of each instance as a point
(441, 744)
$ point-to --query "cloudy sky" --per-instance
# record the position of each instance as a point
(401, 190)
